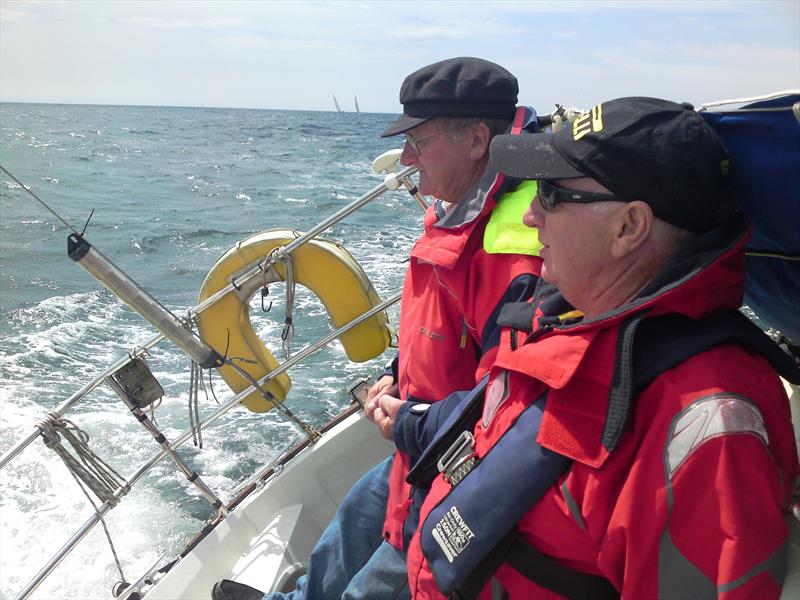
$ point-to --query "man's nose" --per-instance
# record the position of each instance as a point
(533, 216)
(408, 157)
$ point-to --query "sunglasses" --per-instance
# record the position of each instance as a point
(550, 195)
(415, 142)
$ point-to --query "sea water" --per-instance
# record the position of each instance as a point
(171, 190)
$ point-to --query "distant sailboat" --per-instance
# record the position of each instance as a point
(338, 108)
(355, 99)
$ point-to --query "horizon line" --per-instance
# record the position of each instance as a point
(189, 106)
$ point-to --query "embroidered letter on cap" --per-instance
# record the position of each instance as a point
(588, 122)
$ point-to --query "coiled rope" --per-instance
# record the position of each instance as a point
(88, 469)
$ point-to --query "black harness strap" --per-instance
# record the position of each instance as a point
(537, 567)
(556, 577)
(620, 396)
(473, 584)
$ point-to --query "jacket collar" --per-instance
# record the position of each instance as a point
(473, 203)
(446, 233)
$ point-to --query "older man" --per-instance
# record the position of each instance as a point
(640, 443)
(474, 256)
(470, 260)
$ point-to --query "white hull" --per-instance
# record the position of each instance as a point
(278, 525)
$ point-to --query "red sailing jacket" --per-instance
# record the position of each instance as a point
(692, 500)
(452, 292)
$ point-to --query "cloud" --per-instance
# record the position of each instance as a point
(434, 33)
(165, 23)
(657, 55)
(266, 42)
(566, 34)
(577, 7)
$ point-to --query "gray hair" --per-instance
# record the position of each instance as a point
(457, 126)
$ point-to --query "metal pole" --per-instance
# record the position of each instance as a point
(141, 301)
(347, 210)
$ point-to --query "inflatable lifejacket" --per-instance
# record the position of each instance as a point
(326, 268)
(523, 469)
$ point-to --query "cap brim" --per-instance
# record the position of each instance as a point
(530, 156)
(403, 124)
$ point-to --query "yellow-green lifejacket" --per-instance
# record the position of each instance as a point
(505, 232)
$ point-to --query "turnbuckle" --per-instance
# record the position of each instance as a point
(459, 459)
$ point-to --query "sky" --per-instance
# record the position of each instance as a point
(295, 55)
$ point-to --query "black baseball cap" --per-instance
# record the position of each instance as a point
(456, 87)
(648, 149)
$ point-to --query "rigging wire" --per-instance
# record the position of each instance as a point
(43, 203)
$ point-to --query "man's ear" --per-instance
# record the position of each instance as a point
(481, 137)
(632, 228)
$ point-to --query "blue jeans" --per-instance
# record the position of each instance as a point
(351, 560)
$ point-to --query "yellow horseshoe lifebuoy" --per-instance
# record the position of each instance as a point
(326, 268)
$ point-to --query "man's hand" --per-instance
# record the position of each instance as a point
(384, 385)
(382, 411)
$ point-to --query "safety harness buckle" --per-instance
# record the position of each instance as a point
(459, 459)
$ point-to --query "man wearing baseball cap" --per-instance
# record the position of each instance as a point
(634, 438)
(474, 255)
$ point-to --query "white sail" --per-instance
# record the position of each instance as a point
(338, 108)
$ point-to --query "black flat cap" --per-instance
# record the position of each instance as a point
(648, 149)
(456, 87)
